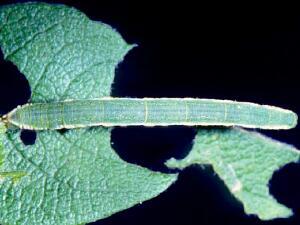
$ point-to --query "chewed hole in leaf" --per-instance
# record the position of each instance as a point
(14, 88)
(151, 147)
(206, 192)
(28, 137)
(285, 185)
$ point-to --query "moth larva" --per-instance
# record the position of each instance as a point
(110, 111)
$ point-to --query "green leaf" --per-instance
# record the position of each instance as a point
(73, 177)
(245, 161)
(62, 53)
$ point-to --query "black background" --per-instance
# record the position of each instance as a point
(239, 52)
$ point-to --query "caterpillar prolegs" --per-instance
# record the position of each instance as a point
(109, 111)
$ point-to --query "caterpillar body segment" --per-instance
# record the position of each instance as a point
(149, 112)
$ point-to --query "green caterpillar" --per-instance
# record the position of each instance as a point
(110, 111)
